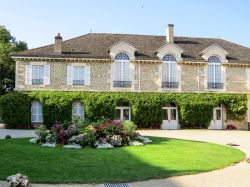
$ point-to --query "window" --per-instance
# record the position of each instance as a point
(169, 72)
(37, 75)
(122, 71)
(36, 112)
(79, 74)
(123, 113)
(78, 109)
(214, 73)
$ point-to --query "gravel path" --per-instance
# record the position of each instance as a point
(233, 176)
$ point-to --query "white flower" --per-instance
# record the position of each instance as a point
(145, 140)
(49, 145)
(34, 140)
(72, 146)
(104, 146)
(18, 180)
(135, 143)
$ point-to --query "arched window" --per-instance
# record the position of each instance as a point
(122, 71)
(214, 73)
(169, 72)
(36, 112)
(78, 109)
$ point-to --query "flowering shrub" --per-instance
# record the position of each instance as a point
(231, 127)
(42, 133)
(104, 134)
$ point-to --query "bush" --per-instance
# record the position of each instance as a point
(195, 110)
(129, 128)
(15, 110)
(231, 127)
(41, 133)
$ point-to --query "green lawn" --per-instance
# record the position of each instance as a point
(162, 158)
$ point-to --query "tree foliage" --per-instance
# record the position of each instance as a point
(8, 45)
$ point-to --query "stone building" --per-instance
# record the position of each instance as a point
(137, 63)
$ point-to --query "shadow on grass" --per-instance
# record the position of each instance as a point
(161, 159)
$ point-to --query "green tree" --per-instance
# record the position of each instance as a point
(8, 45)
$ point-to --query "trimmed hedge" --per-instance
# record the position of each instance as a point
(195, 110)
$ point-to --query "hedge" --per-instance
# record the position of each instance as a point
(195, 110)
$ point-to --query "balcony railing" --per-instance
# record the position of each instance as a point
(78, 82)
(214, 85)
(170, 84)
(122, 84)
(37, 81)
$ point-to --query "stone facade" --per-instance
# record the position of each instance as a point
(146, 78)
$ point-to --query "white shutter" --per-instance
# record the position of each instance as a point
(87, 75)
(69, 75)
(223, 76)
(248, 78)
(28, 74)
(47, 74)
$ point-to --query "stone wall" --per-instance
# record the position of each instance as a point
(192, 78)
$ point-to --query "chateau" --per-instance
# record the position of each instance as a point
(136, 63)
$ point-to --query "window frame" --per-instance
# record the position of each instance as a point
(122, 108)
(36, 104)
(78, 81)
(168, 81)
(214, 73)
(78, 104)
(122, 60)
(40, 77)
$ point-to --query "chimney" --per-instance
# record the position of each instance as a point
(58, 44)
(170, 33)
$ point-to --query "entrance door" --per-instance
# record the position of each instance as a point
(217, 121)
(170, 118)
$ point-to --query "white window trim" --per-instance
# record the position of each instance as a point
(223, 74)
(160, 77)
(121, 108)
(70, 73)
(78, 104)
(113, 70)
(36, 104)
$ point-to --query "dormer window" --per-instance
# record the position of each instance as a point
(214, 78)
(169, 72)
(122, 77)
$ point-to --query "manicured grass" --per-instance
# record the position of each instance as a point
(162, 158)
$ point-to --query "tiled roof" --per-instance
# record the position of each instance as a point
(96, 45)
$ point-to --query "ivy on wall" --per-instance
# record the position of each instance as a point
(195, 110)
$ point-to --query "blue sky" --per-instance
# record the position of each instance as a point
(38, 21)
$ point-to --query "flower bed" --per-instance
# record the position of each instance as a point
(102, 134)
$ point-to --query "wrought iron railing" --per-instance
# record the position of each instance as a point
(122, 84)
(214, 85)
(170, 84)
(37, 81)
(78, 82)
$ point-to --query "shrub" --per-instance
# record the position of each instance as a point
(129, 128)
(195, 110)
(15, 110)
(231, 127)
(42, 133)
